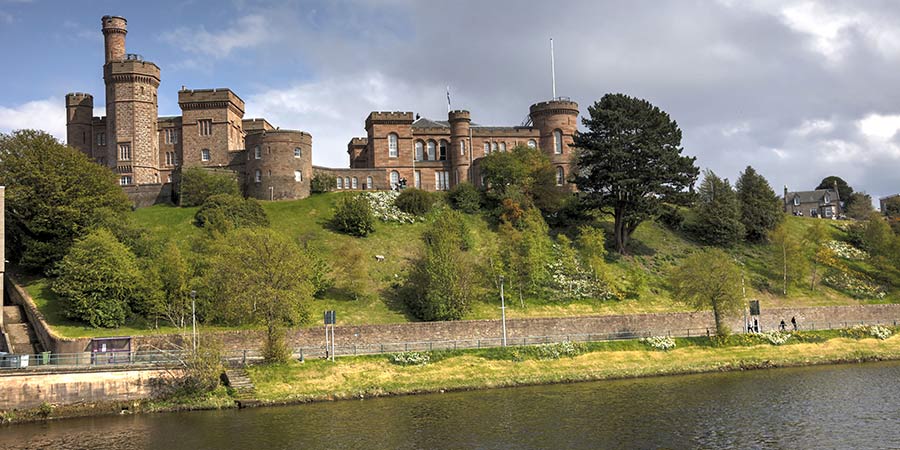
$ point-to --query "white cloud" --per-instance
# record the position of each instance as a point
(48, 115)
(879, 127)
(247, 32)
(825, 27)
(813, 127)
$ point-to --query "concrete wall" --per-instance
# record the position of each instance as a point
(21, 390)
(49, 339)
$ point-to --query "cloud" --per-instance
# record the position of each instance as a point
(48, 115)
(246, 32)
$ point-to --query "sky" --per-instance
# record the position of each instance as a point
(800, 90)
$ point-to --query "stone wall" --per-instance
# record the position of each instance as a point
(26, 389)
(49, 339)
(149, 194)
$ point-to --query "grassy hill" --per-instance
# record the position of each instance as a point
(656, 250)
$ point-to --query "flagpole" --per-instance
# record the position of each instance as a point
(553, 68)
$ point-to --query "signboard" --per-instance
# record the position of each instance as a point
(754, 307)
(330, 318)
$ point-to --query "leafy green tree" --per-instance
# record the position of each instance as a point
(258, 276)
(892, 207)
(526, 171)
(630, 162)
(787, 256)
(98, 280)
(844, 189)
(709, 279)
(465, 197)
(443, 282)
(859, 206)
(718, 212)
(761, 210)
(175, 276)
(198, 184)
(525, 253)
(322, 182)
(877, 235)
(53, 195)
(353, 215)
(224, 212)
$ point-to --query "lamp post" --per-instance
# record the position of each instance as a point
(503, 310)
(194, 320)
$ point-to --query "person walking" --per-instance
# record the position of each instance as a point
(783, 326)
(794, 322)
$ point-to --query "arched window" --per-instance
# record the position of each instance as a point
(258, 176)
(431, 149)
(532, 143)
(353, 183)
(392, 145)
(557, 142)
(420, 150)
(340, 182)
(487, 148)
(257, 154)
(298, 176)
(462, 148)
(560, 176)
(495, 147)
(346, 182)
(298, 152)
(503, 146)
(369, 183)
(442, 155)
(395, 179)
(204, 154)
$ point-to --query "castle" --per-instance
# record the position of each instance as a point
(148, 151)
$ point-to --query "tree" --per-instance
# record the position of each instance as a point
(98, 280)
(224, 212)
(816, 237)
(844, 189)
(322, 182)
(718, 212)
(891, 207)
(877, 235)
(353, 215)
(523, 170)
(761, 210)
(198, 184)
(525, 252)
(415, 201)
(174, 276)
(788, 256)
(465, 197)
(442, 283)
(54, 194)
(860, 206)
(257, 276)
(709, 279)
(629, 161)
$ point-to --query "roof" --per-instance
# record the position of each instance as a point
(423, 122)
(816, 196)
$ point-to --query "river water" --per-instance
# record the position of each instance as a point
(847, 406)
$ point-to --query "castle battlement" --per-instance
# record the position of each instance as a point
(389, 117)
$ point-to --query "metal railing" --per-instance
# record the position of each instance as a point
(160, 358)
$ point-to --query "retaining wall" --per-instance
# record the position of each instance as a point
(29, 390)
(51, 341)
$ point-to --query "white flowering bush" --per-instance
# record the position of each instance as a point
(853, 283)
(569, 280)
(385, 208)
(775, 337)
(846, 251)
(875, 331)
(663, 343)
(558, 350)
(410, 358)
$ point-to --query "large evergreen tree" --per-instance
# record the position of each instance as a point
(761, 210)
(844, 189)
(629, 162)
(718, 212)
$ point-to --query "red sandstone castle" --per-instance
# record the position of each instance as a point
(148, 151)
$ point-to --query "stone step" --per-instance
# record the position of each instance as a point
(238, 380)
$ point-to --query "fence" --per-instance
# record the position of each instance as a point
(113, 360)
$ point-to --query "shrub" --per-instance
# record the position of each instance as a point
(414, 201)
(776, 337)
(322, 182)
(465, 197)
(410, 359)
(671, 217)
(663, 343)
(353, 216)
(558, 350)
(864, 331)
(384, 207)
(197, 185)
(224, 212)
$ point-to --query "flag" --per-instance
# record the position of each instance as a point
(448, 98)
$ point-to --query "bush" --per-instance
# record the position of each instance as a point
(465, 197)
(197, 185)
(414, 201)
(671, 217)
(353, 216)
(322, 182)
(663, 343)
(224, 212)
(410, 359)
(865, 331)
(775, 337)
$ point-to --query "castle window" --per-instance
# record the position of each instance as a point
(417, 179)
(420, 149)
(168, 158)
(503, 146)
(298, 152)
(298, 176)
(205, 127)
(257, 153)
(171, 136)
(369, 183)
(431, 149)
(532, 143)
(557, 142)
(560, 176)
(442, 180)
(395, 179)
(124, 152)
(353, 183)
(125, 180)
(169, 178)
(442, 155)
(258, 176)
(495, 147)
(393, 151)
(204, 154)
(83, 137)
(487, 148)
(340, 183)
(462, 148)
(269, 172)
(101, 138)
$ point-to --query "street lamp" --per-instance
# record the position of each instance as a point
(503, 310)
(194, 319)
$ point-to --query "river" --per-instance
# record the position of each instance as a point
(845, 406)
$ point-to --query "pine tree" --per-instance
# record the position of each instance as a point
(718, 212)
(761, 210)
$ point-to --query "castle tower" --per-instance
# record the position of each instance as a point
(557, 121)
(279, 165)
(79, 113)
(460, 145)
(131, 108)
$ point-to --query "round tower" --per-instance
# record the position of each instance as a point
(279, 165)
(114, 30)
(460, 145)
(79, 113)
(557, 121)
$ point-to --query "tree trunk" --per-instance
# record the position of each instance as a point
(621, 234)
(718, 319)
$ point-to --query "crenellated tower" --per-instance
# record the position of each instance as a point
(556, 121)
(79, 114)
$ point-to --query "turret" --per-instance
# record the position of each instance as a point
(79, 113)
(114, 30)
(460, 145)
(557, 121)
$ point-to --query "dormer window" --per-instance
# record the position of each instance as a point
(796, 201)
(827, 200)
